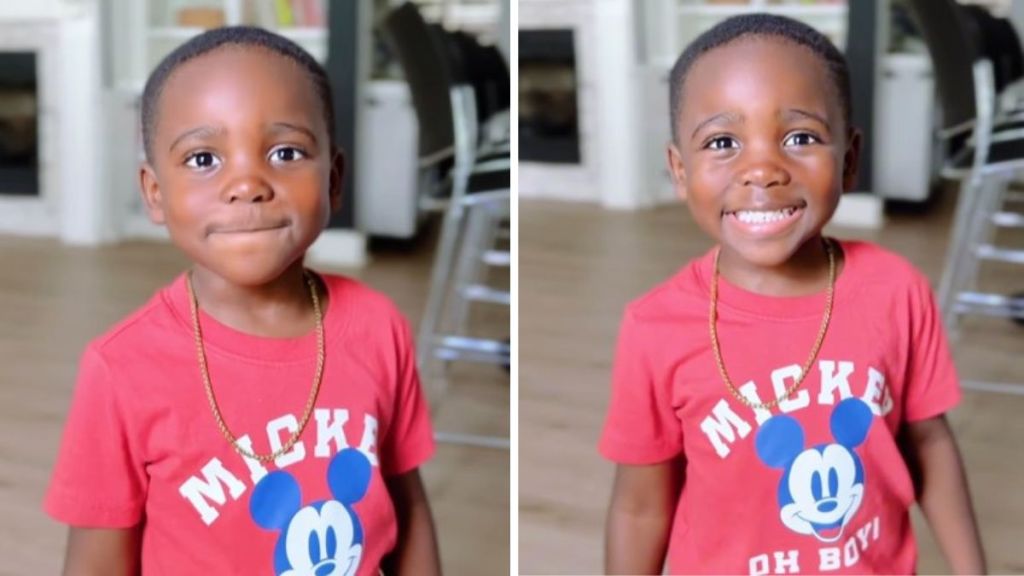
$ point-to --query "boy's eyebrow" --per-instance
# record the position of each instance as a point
(277, 127)
(789, 113)
(807, 114)
(200, 131)
(727, 116)
(211, 131)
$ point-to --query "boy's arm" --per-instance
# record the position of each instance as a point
(416, 549)
(640, 517)
(943, 494)
(102, 552)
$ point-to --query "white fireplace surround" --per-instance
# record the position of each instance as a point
(35, 215)
(64, 37)
(610, 105)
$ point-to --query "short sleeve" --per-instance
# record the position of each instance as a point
(99, 479)
(410, 437)
(641, 426)
(932, 386)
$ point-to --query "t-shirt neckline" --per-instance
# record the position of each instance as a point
(739, 299)
(225, 339)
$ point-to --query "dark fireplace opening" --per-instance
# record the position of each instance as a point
(19, 124)
(548, 115)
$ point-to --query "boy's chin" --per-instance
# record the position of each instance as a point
(250, 273)
(765, 255)
(765, 261)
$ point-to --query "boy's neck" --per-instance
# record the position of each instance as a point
(282, 308)
(804, 274)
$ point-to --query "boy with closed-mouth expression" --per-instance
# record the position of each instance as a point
(255, 417)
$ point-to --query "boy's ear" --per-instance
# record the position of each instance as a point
(678, 172)
(337, 179)
(151, 195)
(851, 159)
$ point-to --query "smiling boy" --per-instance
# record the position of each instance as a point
(743, 440)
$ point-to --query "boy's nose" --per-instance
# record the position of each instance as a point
(248, 189)
(764, 173)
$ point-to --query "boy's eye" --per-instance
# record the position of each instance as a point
(201, 160)
(721, 143)
(801, 139)
(286, 154)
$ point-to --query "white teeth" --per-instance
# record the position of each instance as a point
(763, 217)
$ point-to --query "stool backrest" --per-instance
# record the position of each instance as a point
(486, 70)
(428, 71)
(999, 43)
(954, 48)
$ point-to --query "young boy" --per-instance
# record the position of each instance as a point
(254, 417)
(779, 403)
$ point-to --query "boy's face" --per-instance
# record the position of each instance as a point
(242, 173)
(762, 153)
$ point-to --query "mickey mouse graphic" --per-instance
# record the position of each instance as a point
(324, 538)
(822, 487)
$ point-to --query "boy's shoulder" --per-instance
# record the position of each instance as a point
(683, 291)
(361, 302)
(148, 325)
(872, 265)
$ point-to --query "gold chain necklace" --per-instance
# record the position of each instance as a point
(204, 371)
(716, 348)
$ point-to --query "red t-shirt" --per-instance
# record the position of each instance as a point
(817, 484)
(141, 443)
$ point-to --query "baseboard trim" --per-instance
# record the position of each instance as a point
(859, 210)
(338, 247)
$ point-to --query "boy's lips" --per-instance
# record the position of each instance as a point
(246, 228)
(764, 220)
(762, 206)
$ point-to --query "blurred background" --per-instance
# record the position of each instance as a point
(421, 93)
(936, 91)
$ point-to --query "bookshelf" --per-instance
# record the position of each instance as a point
(675, 23)
(144, 32)
(478, 17)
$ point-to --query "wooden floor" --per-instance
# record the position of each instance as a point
(54, 299)
(579, 265)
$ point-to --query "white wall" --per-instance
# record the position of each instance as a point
(85, 206)
(10, 10)
(504, 26)
(72, 203)
(37, 9)
(1016, 16)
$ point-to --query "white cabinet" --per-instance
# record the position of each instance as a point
(904, 128)
(386, 179)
